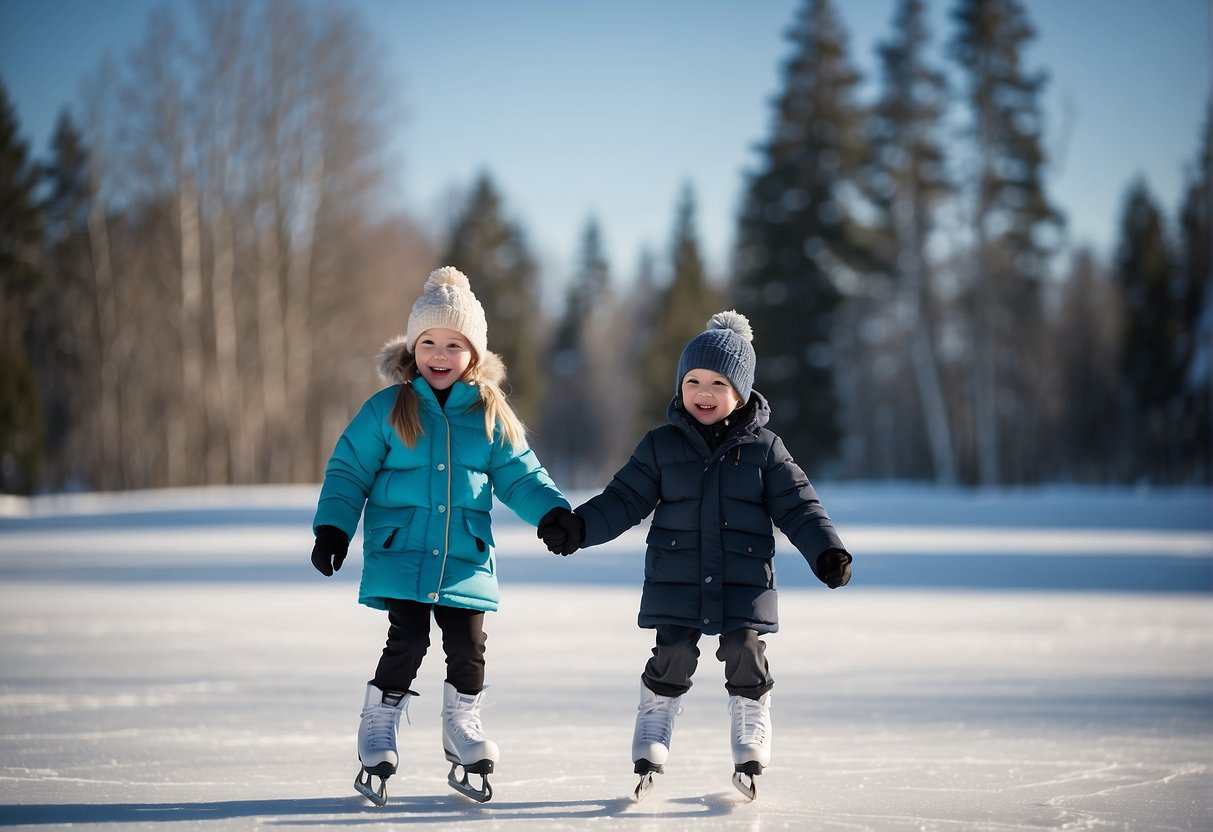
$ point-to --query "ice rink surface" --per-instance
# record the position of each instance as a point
(170, 667)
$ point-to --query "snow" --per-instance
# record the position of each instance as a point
(1001, 661)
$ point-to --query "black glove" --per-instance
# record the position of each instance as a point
(329, 552)
(561, 531)
(834, 568)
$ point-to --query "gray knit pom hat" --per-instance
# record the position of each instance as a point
(724, 347)
(447, 301)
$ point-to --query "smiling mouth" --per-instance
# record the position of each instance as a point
(705, 408)
(439, 372)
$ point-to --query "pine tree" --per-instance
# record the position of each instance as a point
(1196, 294)
(1011, 220)
(1151, 366)
(575, 424)
(639, 312)
(492, 251)
(907, 183)
(21, 232)
(586, 293)
(1084, 337)
(682, 310)
(796, 238)
(64, 347)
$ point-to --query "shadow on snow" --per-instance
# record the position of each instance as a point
(321, 810)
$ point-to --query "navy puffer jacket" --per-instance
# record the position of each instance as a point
(709, 563)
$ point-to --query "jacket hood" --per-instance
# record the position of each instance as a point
(390, 364)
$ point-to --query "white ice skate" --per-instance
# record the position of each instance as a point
(464, 743)
(751, 736)
(377, 740)
(652, 736)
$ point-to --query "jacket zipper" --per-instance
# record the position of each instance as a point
(446, 535)
(723, 452)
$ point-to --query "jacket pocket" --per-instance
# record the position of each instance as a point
(472, 540)
(672, 541)
(393, 538)
(749, 559)
(672, 556)
(480, 528)
(752, 545)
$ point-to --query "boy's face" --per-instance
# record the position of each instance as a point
(443, 356)
(708, 396)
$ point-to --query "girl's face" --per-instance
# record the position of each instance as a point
(443, 356)
(708, 396)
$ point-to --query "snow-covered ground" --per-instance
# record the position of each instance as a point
(1001, 661)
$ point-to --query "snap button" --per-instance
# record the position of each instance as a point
(434, 553)
(707, 621)
(441, 509)
(441, 466)
(708, 579)
(749, 548)
(433, 596)
(673, 542)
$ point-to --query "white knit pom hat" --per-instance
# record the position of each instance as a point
(447, 301)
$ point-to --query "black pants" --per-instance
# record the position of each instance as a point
(408, 639)
(676, 656)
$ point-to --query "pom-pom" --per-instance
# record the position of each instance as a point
(732, 320)
(447, 276)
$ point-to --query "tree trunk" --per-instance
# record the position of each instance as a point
(186, 437)
(985, 341)
(226, 460)
(299, 337)
(272, 339)
(925, 365)
(108, 415)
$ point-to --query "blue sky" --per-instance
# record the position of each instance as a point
(607, 108)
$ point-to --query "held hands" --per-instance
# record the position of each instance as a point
(329, 552)
(834, 568)
(561, 531)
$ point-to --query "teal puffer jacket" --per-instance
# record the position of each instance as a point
(425, 510)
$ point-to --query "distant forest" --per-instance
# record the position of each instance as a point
(197, 275)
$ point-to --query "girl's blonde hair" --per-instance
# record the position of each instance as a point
(405, 416)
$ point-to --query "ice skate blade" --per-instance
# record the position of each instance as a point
(644, 786)
(745, 784)
(366, 788)
(460, 784)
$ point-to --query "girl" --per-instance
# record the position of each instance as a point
(716, 478)
(420, 464)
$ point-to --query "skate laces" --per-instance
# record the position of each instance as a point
(463, 716)
(380, 722)
(656, 719)
(749, 720)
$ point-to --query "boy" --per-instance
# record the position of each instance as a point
(714, 477)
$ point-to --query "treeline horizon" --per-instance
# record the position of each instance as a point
(197, 274)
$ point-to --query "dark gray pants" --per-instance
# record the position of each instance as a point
(676, 656)
(408, 639)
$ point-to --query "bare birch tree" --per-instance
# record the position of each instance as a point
(238, 163)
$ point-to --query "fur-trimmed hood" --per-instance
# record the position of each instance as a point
(390, 361)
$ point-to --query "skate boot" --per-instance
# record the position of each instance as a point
(652, 736)
(377, 739)
(751, 736)
(464, 743)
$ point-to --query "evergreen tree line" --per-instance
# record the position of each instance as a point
(196, 277)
